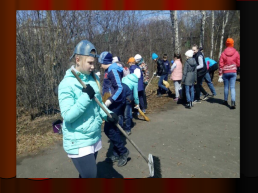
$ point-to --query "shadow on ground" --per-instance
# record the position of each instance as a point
(106, 169)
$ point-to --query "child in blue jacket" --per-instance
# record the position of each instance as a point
(82, 116)
(131, 81)
(112, 84)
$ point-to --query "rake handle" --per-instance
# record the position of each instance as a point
(108, 114)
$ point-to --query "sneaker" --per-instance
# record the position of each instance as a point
(206, 97)
(191, 104)
(197, 101)
(128, 132)
(176, 99)
(144, 111)
(112, 159)
(158, 95)
(123, 159)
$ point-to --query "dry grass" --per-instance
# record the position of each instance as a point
(32, 136)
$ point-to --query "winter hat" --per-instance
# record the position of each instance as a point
(116, 59)
(131, 60)
(230, 42)
(154, 56)
(137, 72)
(85, 48)
(105, 58)
(189, 53)
(137, 58)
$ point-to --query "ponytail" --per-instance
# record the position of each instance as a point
(94, 77)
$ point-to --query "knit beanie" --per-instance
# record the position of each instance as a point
(105, 58)
(137, 58)
(131, 60)
(154, 56)
(137, 72)
(189, 53)
(116, 59)
(230, 42)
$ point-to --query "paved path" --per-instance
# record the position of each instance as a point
(202, 142)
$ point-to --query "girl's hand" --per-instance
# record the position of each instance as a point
(89, 90)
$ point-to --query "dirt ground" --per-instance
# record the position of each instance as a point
(201, 142)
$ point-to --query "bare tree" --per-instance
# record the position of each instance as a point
(212, 33)
(224, 23)
(202, 28)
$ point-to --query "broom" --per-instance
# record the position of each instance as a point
(149, 161)
(144, 116)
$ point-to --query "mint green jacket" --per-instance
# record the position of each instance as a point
(82, 117)
(131, 81)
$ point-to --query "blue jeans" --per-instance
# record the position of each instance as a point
(229, 79)
(189, 90)
(207, 79)
(160, 84)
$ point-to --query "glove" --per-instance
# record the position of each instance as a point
(154, 73)
(220, 79)
(89, 90)
(107, 103)
(136, 107)
(114, 118)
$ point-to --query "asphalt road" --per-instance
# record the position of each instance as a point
(202, 142)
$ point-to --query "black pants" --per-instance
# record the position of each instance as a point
(144, 97)
(199, 88)
(113, 133)
(86, 165)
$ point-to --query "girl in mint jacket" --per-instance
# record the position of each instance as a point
(82, 116)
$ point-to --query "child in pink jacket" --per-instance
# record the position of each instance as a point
(228, 63)
(177, 73)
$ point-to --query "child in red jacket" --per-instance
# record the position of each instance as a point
(228, 63)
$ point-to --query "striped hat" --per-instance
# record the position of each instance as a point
(105, 58)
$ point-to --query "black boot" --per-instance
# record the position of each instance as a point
(169, 92)
(225, 103)
(188, 105)
(233, 105)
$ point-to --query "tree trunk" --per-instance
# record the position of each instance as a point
(212, 33)
(222, 32)
(172, 17)
(202, 28)
(177, 48)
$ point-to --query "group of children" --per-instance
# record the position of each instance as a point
(186, 78)
(197, 69)
(82, 116)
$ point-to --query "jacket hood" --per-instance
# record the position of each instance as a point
(191, 62)
(132, 77)
(229, 51)
(114, 66)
